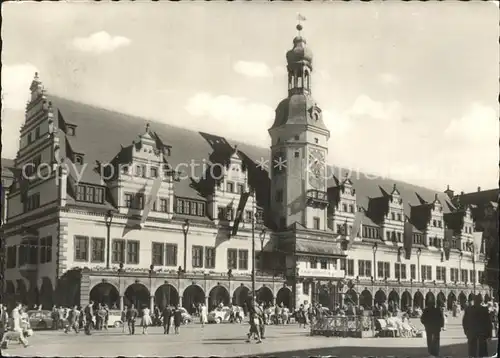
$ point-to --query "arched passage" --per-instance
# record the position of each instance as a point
(365, 299)
(471, 297)
(393, 297)
(487, 298)
(441, 299)
(325, 296)
(21, 292)
(418, 300)
(284, 296)
(46, 294)
(10, 293)
(241, 295)
(429, 297)
(104, 293)
(264, 295)
(351, 297)
(449, 302)
(480, 297)
(166, 295)
(380, 297)
(138, 295)
(405, 300)
(462, 299)
(193, 295)
(218, 295)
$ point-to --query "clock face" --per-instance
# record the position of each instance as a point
(316, 169)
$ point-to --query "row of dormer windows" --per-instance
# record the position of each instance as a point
(394, 236)
(435, 242)
(371, 232)
(348, 208)
(224, 213)
(396, 216)
(230, 187)
(90, 194)
(189, 207)
(418, 239)
(437, 223)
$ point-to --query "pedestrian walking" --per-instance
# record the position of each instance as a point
(177, 319)
(433, 320)
(254, 323)
(123, 318)
(131, 317)
(17, 328)
(478, 328)
(89, 315)
(167, 318)
(146, 320)
(73, 320)
(203, 315)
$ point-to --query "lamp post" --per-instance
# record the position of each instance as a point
(185, 231)
(374, 249)
(419, 251)
(254, 218)
(120, 270)
(108, 219)
(151, 295)
(262, 236)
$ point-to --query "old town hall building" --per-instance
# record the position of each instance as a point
(72, 230)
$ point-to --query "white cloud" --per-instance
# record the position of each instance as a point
(253, 69)
(16, 81)
(478, 125)
(234, 117)
(389, 78)
(100, 42)
(365, 107)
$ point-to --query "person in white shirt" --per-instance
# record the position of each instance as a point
(17, 328)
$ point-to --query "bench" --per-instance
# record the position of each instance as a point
(385, 330)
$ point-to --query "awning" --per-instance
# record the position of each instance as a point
(319, 248)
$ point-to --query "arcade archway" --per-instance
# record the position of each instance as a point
(104, 293)
(393, 297)
(218, 295)
(405, 300)
(487, 298)
(441, 300)
(380, 297)
(351, 297)
(21, 292)
(325, 297)
(138, 295)
(46, 294)
(462, 299)
(192, 296)
(429, 297)
(366, 299)
(418, 300)
(451, 298)
(264, 295)
(480, 297)
(241, 295)
(471, 297)
(166, 295)
(284, 296)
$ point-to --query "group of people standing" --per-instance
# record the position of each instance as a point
(477, 325)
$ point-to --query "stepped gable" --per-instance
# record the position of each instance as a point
(101, 134)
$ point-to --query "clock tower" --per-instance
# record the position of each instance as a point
(299, 148)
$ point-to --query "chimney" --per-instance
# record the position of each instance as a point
(478, 188)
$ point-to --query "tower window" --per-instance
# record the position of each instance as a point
(316, 223)
(297, 137)
(29, 138)
(78, 159)
(316, 140)
(297, 154)
(37, 132)
(279, 196)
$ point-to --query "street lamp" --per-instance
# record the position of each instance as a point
(374, 249)
(108, 219)
(120, 270)
(419, 251)
(262, 236)
(185, 231)
(151, 296)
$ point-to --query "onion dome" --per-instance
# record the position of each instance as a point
(300, 53)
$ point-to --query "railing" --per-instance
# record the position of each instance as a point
(344, 326)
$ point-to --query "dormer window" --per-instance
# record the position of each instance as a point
(30, 139)
(70, 130)
(138, 170)
(230, 187)
(78, 159)
(125, 169)
(37, 132)
(154, 172)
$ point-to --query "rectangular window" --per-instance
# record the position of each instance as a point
(400, 271)
(89, 194)
(139, 201)
(197, 256)
(351, 208)
(209, 257)
(229, 214)
(33, 252)
(324, 264)
(99, 195)
(279, 196)
(163, 205)
(243, 259)
(98, 249)
(399, 217)
(80, 193)
(463, 273)
(138, 170)
(316, 223)
(157, 253)
(154, 172)
(399, 237)
(393, 216)
(230, 187)
(81, 248)
(179, 208)
(201, 209)
(241, 188)
(132, 252)
(43, 257)
(248, 216)
(350, 267)
(387, 269)
(305, 288)
(118, 251)
(193, 208)
(429, 272)
(472, 276)
(413, 273)
(128, 200)
(388, 235)
(37, 132)
(403, 271)
(313, 263)
(221, 213)
(344, 207)
(232, 259)
(171, 256)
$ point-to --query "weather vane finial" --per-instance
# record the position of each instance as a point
(300, 18)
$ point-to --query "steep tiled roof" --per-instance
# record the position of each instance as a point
(478, 198)
(102, 134)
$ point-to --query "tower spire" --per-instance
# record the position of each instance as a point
(300, 18)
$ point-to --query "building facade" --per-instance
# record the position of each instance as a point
(72, 230)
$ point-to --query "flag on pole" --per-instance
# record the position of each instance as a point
(408, 238)
(239, 212)
(477, 238)
(152, 199)
(355, 228)
(448, 236)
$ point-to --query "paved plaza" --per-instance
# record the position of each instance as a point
(228, 340)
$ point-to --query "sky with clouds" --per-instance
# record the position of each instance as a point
(409, 90)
